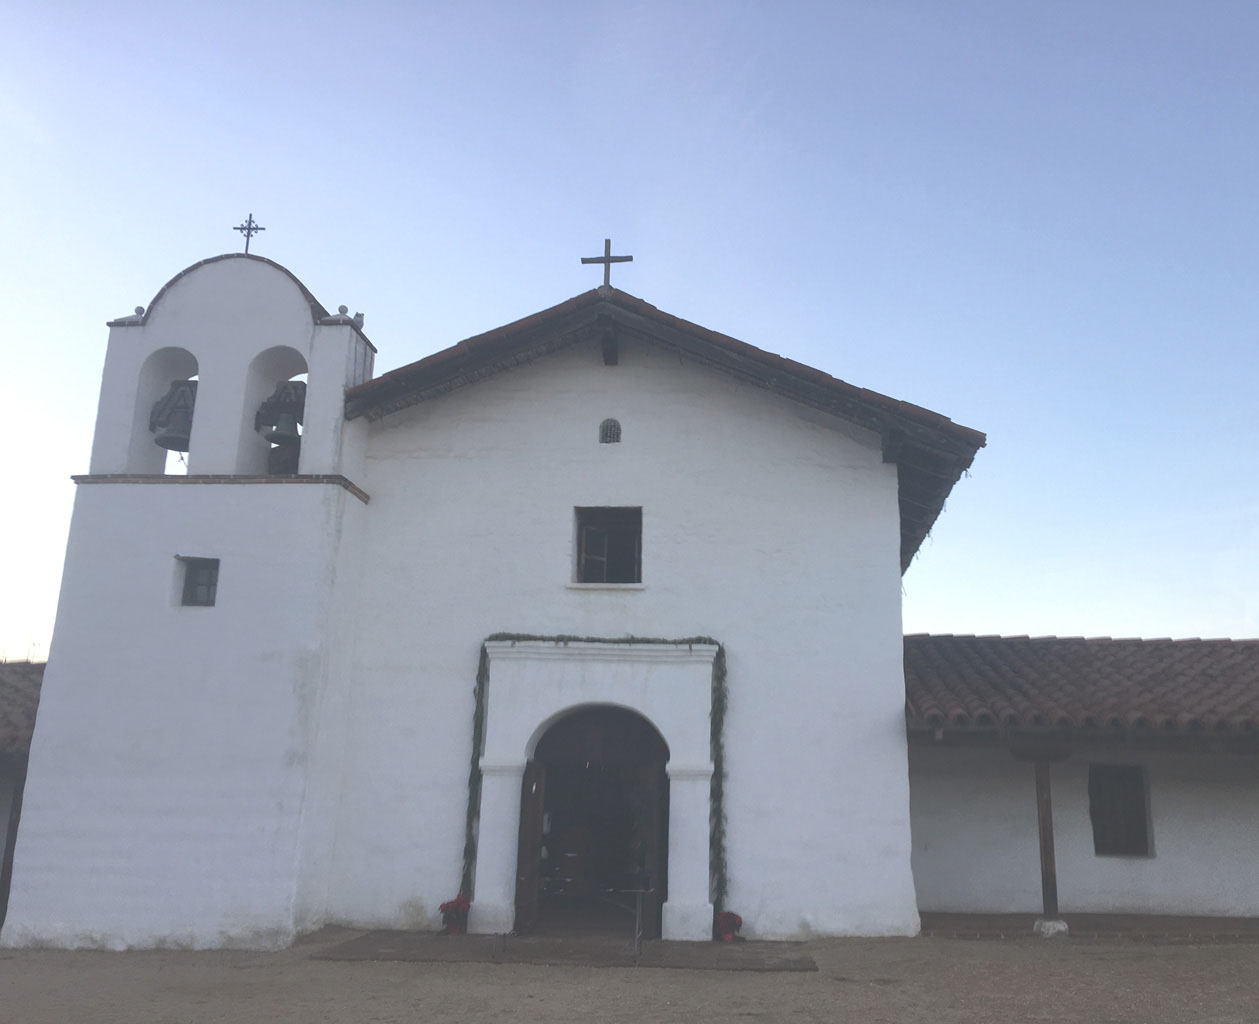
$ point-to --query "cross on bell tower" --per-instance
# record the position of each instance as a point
(250, 228)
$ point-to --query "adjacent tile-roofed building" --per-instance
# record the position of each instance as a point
(1020, 684)
(19, 697)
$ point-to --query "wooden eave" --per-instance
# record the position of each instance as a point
(1203, 741)
(930, 450)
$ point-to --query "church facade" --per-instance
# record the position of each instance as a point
(299, 697)
(596, 606)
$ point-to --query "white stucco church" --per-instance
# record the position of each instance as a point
(597, 601)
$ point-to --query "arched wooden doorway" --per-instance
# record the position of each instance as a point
(594, 813)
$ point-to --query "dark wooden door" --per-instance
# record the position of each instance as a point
(529, 852)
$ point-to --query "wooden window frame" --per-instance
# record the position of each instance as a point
(609, 544)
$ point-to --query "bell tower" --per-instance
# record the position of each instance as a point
(201, 641)
(205, 367)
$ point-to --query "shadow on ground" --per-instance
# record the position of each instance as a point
(570, 950)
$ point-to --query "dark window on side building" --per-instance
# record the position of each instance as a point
(1119, 810)
(609, 545)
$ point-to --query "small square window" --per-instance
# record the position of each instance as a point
(201, 580)
(1119, 810)
(609, 545)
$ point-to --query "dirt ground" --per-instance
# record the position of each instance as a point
(934, 980)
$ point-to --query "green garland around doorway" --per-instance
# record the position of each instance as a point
(474, 776)
(717, 743)
(717, 804)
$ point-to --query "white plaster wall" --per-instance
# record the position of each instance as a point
(327, 745)
(338, 358)
(974, 824)
(168, 768)
(771, 529)
(976, 848)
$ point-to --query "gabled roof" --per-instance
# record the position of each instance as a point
(930, 450)
(20, 682)
(1008, 684)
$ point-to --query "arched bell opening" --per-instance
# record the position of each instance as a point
(161, 429)
(273, 414)
(594, 815)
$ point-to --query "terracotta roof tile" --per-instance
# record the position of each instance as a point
(19, 697)
(1018, 683)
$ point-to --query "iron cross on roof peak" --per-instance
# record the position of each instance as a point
(250, 228)
(607, 259)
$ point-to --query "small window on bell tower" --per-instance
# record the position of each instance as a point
(609, 432)
(201, 581)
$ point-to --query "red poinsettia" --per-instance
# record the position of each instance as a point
(459, 906)
(728, 922)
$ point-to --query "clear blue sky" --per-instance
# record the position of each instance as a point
(1041, 220)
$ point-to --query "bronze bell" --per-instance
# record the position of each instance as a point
(282, 412)
(171, 417)
(284, 433)
(282, 460)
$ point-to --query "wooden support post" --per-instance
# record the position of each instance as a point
(1045, 823)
